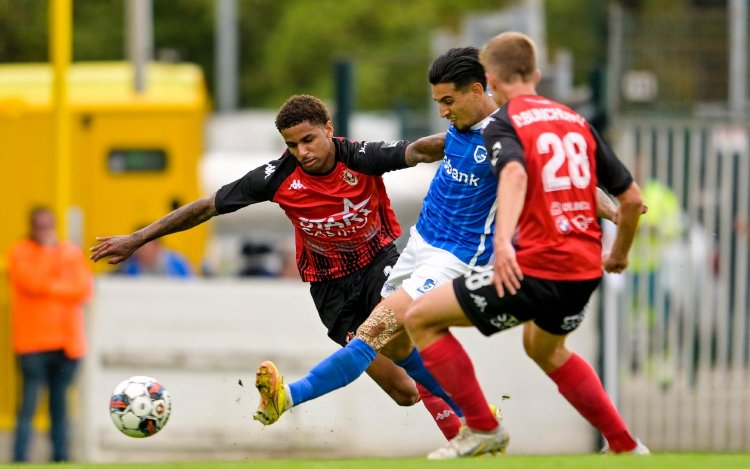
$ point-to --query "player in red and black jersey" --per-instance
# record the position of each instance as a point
(332, 191)
(548, 254)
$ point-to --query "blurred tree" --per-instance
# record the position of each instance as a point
(286, 46)
(23, 31)
(98, 30)
(388, 41)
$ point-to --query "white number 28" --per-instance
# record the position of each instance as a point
(570, 149)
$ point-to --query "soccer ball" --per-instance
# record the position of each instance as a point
(140, 406)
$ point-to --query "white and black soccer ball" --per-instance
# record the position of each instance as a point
(140, 406)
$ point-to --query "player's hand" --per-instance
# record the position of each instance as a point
(115, 248)
(614, 264)
(507, 274)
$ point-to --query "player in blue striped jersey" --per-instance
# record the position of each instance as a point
(454, 232)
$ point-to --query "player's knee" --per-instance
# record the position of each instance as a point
(379, 328)
(415, 317)
(546, 358)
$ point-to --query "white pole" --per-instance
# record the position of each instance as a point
(140, 39)
(225, 51)
(737, 12)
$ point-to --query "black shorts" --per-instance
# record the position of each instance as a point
(555, 306)
(344, 303)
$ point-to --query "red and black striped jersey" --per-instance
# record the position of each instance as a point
(558, 235)
(342, 219)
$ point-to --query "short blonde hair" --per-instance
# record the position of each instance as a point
(509, 56)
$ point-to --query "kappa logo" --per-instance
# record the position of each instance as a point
(269, 170)
(297, 185)
(480, 154)
(349, 337)
(350, 178)
(479, 301)
(443, 415)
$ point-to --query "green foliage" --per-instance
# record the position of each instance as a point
(286, 46)
(23, 31)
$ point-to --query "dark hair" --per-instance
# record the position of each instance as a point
(300, 108)
(459, 66)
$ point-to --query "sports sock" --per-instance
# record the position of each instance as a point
(414, 367)
(445, 418)
(579, 383)
(337, 370)
(452, 368)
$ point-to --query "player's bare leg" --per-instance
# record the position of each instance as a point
(580, 385)
(393, 380)
(427, 322)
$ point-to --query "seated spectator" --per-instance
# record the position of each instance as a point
(154, 259)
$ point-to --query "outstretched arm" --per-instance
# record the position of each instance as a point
(119, 248)
(426, 149)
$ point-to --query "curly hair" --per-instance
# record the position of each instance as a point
(300, 108)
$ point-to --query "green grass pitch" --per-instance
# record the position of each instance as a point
(656, 461)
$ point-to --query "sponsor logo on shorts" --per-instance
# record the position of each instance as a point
(504, 321)
(571, 322)
(428, 285)
(390, 287)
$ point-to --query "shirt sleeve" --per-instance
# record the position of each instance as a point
(255, 186)
(501, 140)
(611, 174)
(373, 158)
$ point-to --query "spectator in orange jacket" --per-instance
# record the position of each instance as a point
(50, 281)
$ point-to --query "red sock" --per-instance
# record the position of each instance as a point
(453, 370)
(446, 420)
(580, 385)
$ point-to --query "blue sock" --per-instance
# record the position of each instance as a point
(339, 369)
(415, 368)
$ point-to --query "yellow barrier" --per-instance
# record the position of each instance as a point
(134, 159)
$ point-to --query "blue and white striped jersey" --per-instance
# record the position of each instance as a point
(458, 212)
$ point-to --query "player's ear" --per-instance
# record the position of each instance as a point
(329, 129)
(477, 89)
(537, 76)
